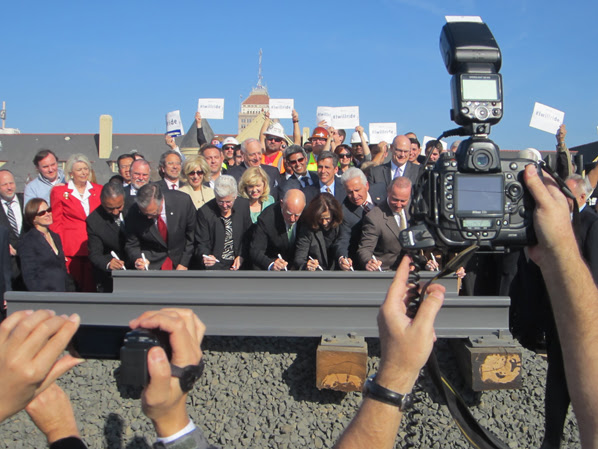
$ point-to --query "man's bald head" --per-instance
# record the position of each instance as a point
(293, 204)
(401, 146)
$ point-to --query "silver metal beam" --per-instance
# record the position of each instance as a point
(257, 303)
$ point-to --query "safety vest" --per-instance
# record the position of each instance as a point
(312, 165)
(276, 162)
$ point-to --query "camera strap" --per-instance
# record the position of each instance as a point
(477, 435)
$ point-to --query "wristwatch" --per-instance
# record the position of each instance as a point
(372, 390)
(187, 375)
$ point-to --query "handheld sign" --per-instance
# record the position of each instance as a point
(344, 117)
(382, 132)
(546, 118)
(212, 108)
(281, 107)
(174, 125)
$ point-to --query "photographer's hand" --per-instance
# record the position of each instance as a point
(405, 347)
(163, 401)
(30, 346)
(51, 411)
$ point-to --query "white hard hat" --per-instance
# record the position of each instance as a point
(230, 141)
(276, 130)
(356, 138)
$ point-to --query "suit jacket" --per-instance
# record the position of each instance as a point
(13, 240)
(143, 235)
(69, 218)
(129, 200)
(313, 243)
(163, 185)
(270, 239)
(5, 268)
(382, 173)
(293, 182)
(236, 171)
(13, 237)
(380, 237)
(104, 236)
(43, 270)
(210, 232)
(351, 228)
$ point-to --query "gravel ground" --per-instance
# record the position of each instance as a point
(260, 393)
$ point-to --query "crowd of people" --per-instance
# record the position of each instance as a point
(31, 344)
(231, 206)
(272, 203)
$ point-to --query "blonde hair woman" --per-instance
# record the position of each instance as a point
(194, 171)
(254, 185)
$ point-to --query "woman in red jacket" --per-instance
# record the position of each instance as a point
(71, 204)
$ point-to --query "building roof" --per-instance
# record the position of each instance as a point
(257, 99)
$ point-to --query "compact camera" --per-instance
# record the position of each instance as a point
(471, 196)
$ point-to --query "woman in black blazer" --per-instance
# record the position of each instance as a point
(40, 250)
(319, 228)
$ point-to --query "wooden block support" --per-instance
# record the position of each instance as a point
(489, 367)
(341, 363)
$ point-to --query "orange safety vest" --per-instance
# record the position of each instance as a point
(275, 162)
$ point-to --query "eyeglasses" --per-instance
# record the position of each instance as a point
(275, 139)
(341, 155)
(196, 173)
(402, 151)
(222, 203)
(299, 160)
(228, 147)
(41, 213)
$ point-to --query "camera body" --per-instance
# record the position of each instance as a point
(133, 354)
(471, 196)
(465, 205)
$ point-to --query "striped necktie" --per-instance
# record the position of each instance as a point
(12, 219)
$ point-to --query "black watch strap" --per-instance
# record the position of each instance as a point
(188, 375)
(372, 390)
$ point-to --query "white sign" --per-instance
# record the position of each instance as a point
(174, 125)
(211, 108)
(344, 117)
(281, 107)
(382, 132)
(427, 139)
(546, 118)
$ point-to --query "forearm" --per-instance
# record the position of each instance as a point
(296, 133)
(376, 423)
(573, 296)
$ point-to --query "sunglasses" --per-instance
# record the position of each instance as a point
(196, 173)
(299, 160)
(228, 147)
(275, 139)
(41, 213)
(344, 155)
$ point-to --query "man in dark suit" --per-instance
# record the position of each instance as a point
(106, 236)
(140, 176)
(5, 271)
(252, 157)
(160, 229)
(327, 179)
(301, 179)
(273, 244)
(170, 167)
(11, 217)
(379, 248)
(399, 164)
(361, 198)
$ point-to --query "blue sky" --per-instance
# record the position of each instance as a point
(66, 63)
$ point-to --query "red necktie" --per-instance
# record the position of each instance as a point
(173, 187)
(163, 230)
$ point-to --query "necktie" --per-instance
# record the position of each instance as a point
(173, 186)
(328, 190)
(305, 181)
(367, 207)
(12, 219)
(163, 230)
(403, 225)
(397, 172)
(290, 233)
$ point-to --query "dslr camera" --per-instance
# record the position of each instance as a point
(471, 196)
